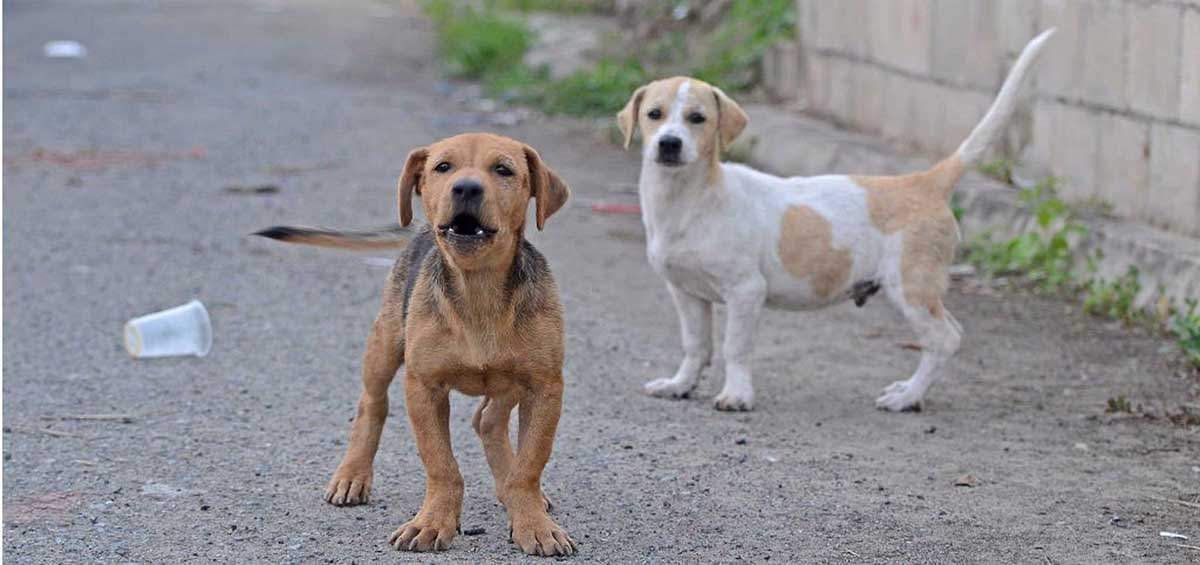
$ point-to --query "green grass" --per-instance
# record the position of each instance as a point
(600, 90)
(999, 169)
(734, 49)
(1043, 256)
(561, 6)
(487, 41)
(477, 42)
(1185, 326)
(1115, 299)
(1119, 405)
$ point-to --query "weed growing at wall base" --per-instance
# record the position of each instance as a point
(1185, 325)
(1115, 299)
(1042, 255)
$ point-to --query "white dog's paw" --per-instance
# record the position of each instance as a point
(668, 388)
(731, 401)
(898, 397)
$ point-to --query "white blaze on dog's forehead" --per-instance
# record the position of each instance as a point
(681, 99)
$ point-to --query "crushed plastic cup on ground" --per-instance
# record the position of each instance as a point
(182, 330)
(64, 49)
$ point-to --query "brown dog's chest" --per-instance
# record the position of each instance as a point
(481, 363)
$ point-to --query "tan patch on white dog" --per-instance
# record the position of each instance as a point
(917, 205)
(807, 251)
(896, 201)
(928, 251)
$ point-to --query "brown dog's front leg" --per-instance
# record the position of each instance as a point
(532, 528)
(436, 524)
(351, 482)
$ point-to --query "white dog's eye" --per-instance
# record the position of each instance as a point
(654, 114)
(696, 118)
(442, 167)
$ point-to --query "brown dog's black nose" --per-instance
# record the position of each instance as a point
(467, 190)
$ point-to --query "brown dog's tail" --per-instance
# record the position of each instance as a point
(393, 237)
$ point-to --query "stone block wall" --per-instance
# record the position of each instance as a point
(1113, 108)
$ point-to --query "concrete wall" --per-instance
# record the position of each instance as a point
(1114, 108)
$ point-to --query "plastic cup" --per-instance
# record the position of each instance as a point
(182, 330)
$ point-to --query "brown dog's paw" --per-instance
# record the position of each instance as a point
(541, 536)
(424, 534)
(350, 485)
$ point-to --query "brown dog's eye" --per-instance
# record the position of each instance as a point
(654, 114)
(442, 167)
(696, 118)
(503, 171)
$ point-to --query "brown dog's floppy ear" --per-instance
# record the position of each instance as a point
(545, 186)
(731, 120)
(628, 116)
(410, 180)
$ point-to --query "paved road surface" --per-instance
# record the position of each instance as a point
(114, 206)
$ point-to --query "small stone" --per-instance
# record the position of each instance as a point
(1082, 446)
(967, 480)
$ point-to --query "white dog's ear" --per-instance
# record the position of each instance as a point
(731, 120)
(628, 116)
(410, 181)
(545, 186)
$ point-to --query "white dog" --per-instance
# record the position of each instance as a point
(720, 232)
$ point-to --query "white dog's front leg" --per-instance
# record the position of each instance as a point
(743, 307)
(695, 323)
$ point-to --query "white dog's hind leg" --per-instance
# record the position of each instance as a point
(743, 307)
(695, 323)
(940, 337)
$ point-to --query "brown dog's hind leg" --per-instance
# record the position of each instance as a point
(491, 424)
(436, 523)
(351, 482)
(530, 525)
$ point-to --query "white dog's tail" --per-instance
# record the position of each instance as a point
(998, 115)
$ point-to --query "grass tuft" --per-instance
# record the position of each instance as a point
(1185, 326)
(1043, 256)
(477, 42)
(1115, 299)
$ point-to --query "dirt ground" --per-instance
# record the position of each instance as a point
(114, 205)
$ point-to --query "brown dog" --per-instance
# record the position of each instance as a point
(472, 307)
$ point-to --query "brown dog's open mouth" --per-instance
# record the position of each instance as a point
(466, 227)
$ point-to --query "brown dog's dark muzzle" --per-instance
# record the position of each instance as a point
(466, 212)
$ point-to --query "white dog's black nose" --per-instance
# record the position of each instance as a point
(467, 190)
(669, 145)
